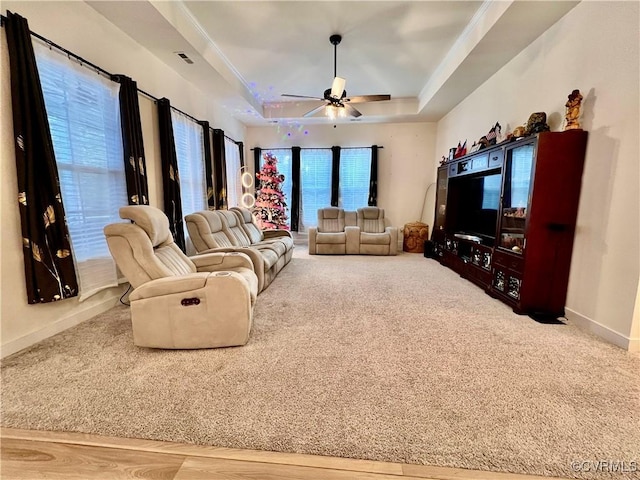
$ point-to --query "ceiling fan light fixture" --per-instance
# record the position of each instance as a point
(337, 104)
(335, 111)
(337, 88)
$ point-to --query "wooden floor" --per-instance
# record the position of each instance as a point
(36, 455)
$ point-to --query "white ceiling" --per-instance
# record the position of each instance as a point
(428, 55)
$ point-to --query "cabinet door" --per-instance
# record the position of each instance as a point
(515, 197)
(441, 198)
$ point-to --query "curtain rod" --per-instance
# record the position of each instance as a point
(226, 136)
(86, 63)
(311, 148)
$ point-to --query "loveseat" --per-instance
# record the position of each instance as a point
(363, 232)
(235, 230)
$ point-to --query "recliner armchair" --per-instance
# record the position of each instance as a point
(332, 236)
(376, 238)
(180, 302)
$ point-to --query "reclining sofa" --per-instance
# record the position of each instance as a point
(363, 232)
(235, 230)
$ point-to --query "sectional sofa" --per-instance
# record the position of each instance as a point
(235, 230)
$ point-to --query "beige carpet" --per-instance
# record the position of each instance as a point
(385, 358)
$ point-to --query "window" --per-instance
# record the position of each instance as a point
(315, 184)
(84, 118)
(284, 167)
(355, 174)
(234, 187)
(189, 139)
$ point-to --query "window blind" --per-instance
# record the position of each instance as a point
(189, 140)
(234, 186)
(355, 173)
(315, 185)
(84, 118)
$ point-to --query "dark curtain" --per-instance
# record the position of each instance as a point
(335, 175)
(257, 156)
(208, 168)
(241, 153)
(170, 176)
(134, 160)
(295, 188)
(48, 262)
(373, 180)
(219, 169)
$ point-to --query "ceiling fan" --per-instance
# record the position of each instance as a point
(337, 103)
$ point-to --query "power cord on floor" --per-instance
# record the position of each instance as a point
(123, 295)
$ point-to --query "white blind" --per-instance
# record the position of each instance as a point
(491, 191)
(315, 184)
(84, 118)
(284, 167)
(355, 174)
(521, 162)
(234, 186)
(189, 140)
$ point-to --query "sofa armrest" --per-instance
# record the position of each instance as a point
(254, 255)
(215, 262)
(185, 284)
(393, 232)
(276, 233)
(353, 240)
(312, 233)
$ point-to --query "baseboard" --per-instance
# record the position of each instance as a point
(602, 331)
(58, 326)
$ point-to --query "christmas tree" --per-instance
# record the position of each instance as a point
(270, 207)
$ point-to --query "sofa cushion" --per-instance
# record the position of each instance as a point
(371, 219)
(330, 220)
(331, 238)
(286, 242)
(269, 256)
(206, 230)
(374, 238)
(150, 219)
(231, 226)
(247, 223)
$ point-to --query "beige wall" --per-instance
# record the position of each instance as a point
(403, 163)
(595, 49)
(80, 29)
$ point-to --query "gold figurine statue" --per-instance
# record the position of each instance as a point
(572, 117)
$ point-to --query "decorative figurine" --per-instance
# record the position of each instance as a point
(500, 137)
(572, 116)
(537, 123)
(492, 136)
(518, 132)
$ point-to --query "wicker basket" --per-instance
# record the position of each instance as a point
(413, 237)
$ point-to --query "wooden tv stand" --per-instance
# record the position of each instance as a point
(524, 258)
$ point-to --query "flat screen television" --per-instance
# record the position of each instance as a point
(478, 199)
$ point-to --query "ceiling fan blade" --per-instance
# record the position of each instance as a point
(337, 87)
(311, 113)
(367, 98)
(300, 96)
(352, 111)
